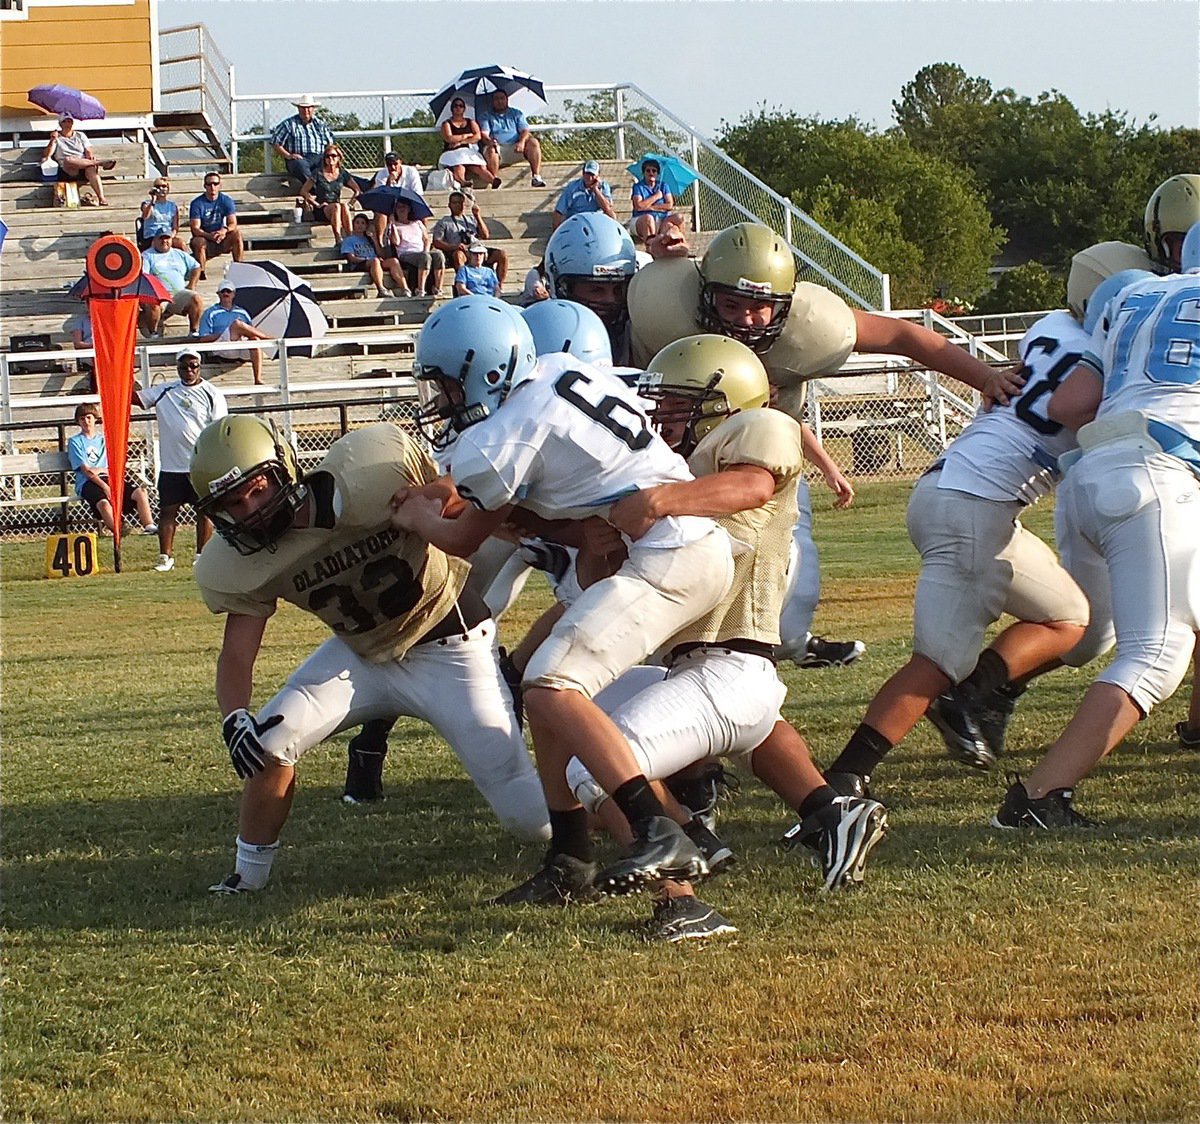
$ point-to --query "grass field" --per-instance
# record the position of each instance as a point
(975, 976)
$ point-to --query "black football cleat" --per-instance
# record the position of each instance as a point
(849, 784)
(364, 764)
(842, 835)
(1052, 812)
(952, 714)
(1189, 737)
(562, 879)
(819, 652)
(685, 918)
(661, 851)
(718, 855)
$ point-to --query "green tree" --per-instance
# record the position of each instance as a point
(913, 215)
(1024, 288)
(942, 110)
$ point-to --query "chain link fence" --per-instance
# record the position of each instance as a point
(31, 503)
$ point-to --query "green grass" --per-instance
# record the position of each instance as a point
(976, 976)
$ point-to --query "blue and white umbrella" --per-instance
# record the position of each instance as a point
(675, 175)
(479, 83)
(382, 200)
(280, 303)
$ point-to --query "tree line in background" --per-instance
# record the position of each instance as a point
(968, 177)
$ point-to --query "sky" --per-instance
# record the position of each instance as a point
(709, 60)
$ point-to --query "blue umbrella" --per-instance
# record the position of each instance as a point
(382, 200)
(480, 82)
(66, 100)
(674, 174)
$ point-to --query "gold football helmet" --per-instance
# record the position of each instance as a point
(1097, 263)
(698, 382)
(1171, 211)
(229, 453)
(747, 260)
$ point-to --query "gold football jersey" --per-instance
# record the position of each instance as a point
(766, 439)
(377, 588)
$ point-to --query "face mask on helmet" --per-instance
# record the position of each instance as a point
(697, 383)
(560, 325)
(747, 277)
(589, 260)
(240, 456)
(1172, 210)
(470, 353)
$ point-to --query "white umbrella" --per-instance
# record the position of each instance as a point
(280, 303)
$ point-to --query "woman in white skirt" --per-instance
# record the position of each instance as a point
(460, 141)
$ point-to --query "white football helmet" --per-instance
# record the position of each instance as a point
(1172, 210)
(1091, 266)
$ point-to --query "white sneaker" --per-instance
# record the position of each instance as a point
(165, 562)
(150, 529)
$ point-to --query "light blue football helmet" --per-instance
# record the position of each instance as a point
(469, 354)
(559, 325)
(1105, 291)
(1189, 255)
(592, 247)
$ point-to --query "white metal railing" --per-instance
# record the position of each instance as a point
(196, 76)
(583, 122)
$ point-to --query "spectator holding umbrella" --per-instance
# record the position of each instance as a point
(323, 192)
(359, 250)
(72, 152)
(408, 241)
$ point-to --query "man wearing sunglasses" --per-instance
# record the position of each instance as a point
(215, 229)
(182, 408)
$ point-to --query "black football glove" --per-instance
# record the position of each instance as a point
(242, 735)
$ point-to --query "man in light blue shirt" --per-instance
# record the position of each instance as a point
(583, 196)
(226, 321)
(475, 277)
(179, 272)
(506, 138)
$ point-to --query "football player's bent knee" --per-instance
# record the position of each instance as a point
(1150, 669)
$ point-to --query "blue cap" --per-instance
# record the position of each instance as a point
(592, 166)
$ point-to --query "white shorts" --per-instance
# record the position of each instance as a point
(1086, 565)
(1140, 509)
(978, 562)
(453, 684)
(621, 620)
(712, 702)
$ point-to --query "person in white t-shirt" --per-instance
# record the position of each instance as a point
(182, 409)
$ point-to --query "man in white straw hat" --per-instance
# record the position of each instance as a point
(301, 139)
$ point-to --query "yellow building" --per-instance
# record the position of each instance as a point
(107, 47)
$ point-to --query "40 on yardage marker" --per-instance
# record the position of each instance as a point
(71, 556)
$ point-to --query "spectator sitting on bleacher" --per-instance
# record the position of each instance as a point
(396, 173)
(537, 285)
(460, 145)
(225, 321)
(583, 196)
(301, 140)
(359, 250)
(652, 202)
(475, 277)
(158, 214)
(88, 456)
(179, 272)
(72, 152)
(457, 230)
(506, 138)
(322, 191)
(407, 240)
(213, 218)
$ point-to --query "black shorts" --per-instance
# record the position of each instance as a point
(93, 495)
(175, 488)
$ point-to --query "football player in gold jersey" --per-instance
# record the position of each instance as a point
(407, 638)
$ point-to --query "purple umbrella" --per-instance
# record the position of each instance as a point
(61, 100)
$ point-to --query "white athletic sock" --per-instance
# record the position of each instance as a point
(254, 863)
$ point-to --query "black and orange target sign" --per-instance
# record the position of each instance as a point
(113, 262)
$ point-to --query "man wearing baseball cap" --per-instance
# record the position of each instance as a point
(72, 152)
(182, 408)
(475, 277)
(226, 321)
(585, 195)
(301, 140)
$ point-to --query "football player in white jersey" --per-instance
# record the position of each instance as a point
(721, 694)
(566, 441)
(745, 288)
(407, 640)
(978, 562)
(1134, 495)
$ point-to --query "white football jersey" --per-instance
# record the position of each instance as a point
(1147, 350)
(568, 442)
(1011, 452)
